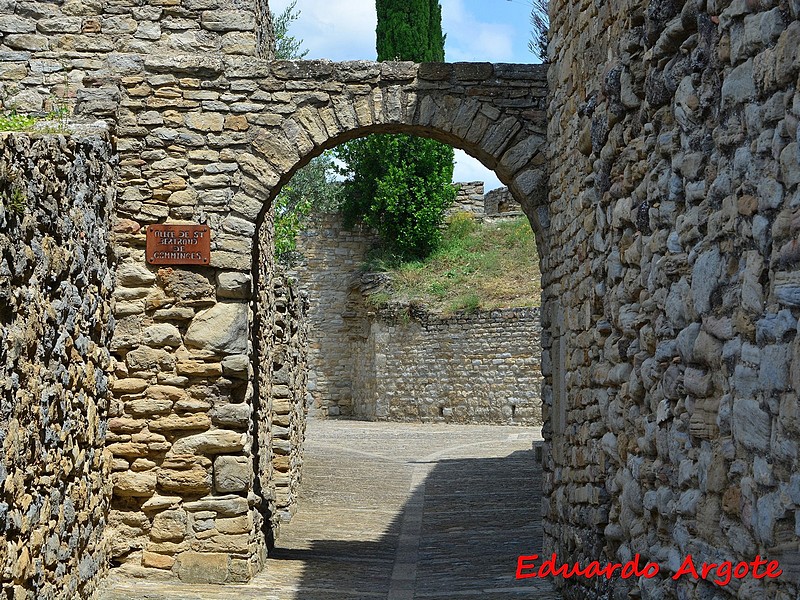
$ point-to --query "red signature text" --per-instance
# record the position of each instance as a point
(719, 573)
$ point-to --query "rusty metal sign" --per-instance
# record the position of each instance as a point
(178, 244)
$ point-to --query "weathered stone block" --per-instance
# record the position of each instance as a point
(222, 329)
(221, 505)
(751, 425)
(134, 484)
(233, 285)
(196, 567)
(237, 365)
(129, 386)
(238, 544)
(169, 525)
(186, 475)
(193, 368)
(232, 415)
(161, 335)
(232, 474)
(204, 121)
(211, 442)
(180, 423)
(157, 561)
(149, 359)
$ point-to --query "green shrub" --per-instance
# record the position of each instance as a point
(14, 122)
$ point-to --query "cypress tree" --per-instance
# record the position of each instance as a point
(410, 30)
(399, 184)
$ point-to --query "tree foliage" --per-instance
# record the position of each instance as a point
(405, 203)
(287, 47)
(398, 184)
(540, 24)
(313, 189)
(409, 30)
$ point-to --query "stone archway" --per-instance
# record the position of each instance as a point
(212, 141)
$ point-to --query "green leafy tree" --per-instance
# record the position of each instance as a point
(398, 184)
(313, 189)
(406, 202)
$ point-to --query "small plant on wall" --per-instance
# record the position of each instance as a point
(12, 192)
(11, 121)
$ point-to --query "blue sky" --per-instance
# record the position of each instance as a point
(477, 30)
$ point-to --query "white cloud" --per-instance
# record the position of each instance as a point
(469, 39)
(471, 169)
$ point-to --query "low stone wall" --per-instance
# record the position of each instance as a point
(500, 201)
(56, 195)
(482, 367)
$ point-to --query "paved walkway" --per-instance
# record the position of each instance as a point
(397, 512)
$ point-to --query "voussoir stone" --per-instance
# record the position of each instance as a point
(222, 328)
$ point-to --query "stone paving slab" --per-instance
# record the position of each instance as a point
(395, 511)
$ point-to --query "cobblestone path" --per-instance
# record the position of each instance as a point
(397, 512)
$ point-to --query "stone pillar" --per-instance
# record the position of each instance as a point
(181, 428)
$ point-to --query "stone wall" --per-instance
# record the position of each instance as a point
(469, 198)
(400, 365)
(500, 201)
(208, 139)
(56, 195)
(48, 48)
(672, 292)
(481, 367)
(330, 275)
(288, 378)
(669, 259)
(472, 198)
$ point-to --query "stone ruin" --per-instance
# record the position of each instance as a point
(400, 362)
(150, 416)
(472, 198)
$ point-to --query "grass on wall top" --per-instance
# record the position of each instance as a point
(478, 266)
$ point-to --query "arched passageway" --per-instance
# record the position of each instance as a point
(212, 140)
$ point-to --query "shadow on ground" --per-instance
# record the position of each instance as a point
(397, 512)
(458, 536)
